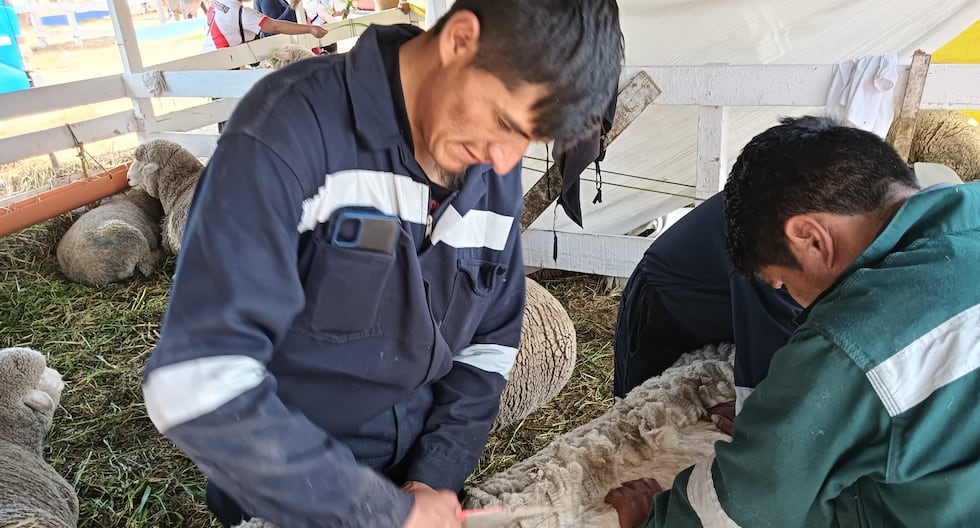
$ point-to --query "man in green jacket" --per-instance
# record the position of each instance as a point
(869, 415)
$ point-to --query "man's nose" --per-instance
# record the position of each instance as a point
(505, 155)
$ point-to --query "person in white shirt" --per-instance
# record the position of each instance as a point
(230, 23)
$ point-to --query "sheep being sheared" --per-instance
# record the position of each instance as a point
(169, 173)
(112, 241)
(32, 493)
(656, 431)
(949, 138)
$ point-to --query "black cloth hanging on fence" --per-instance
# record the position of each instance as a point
(574, 157)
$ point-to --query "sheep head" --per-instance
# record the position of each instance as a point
(141, 175)
(164, 170)
(148, 158)
(29, 394)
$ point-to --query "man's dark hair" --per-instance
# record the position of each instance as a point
(804, 165)
(573, 47)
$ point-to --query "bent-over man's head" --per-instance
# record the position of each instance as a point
(806, 198)
(504, 73)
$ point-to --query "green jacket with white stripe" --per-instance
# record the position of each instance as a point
(869, 416)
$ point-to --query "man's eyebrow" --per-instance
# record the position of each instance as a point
(511, 124)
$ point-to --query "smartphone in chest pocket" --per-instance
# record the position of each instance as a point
(365, 229)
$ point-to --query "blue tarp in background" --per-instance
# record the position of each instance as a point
(12, 76)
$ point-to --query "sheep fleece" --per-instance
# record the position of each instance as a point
(947, 137)
(32, 493)
(656, 431)
(545, 359)
(112, 241)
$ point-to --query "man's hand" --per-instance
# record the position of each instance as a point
(723, 415)
(318, 31)
(433, 509)
(403, 5)
(633, 500)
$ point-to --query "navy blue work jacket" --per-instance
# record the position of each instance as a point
(280, 343)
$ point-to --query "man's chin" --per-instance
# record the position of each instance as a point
(452, 179)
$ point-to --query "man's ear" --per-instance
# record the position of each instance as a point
(459, 38)
(811, 242)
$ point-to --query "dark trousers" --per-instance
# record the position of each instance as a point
(224, 508)
(667, 312)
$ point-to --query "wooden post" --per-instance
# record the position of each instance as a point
(161, 11)
(73, 23)
(122, 24)
(712, 158)
(903, 128)
(36, 22)
(638, 94)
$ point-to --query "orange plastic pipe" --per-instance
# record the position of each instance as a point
(49, 204)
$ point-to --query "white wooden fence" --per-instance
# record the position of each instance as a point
(206, 75)
(36, 9)
(713, 88)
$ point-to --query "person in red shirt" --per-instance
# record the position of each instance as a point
(230, 23)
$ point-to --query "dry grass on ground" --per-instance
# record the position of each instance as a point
(125, 473)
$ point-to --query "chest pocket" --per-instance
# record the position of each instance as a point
(473, 289)
(344, 291)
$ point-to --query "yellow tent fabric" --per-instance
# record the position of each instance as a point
(964, 49)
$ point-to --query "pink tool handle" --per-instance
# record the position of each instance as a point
(466, 514)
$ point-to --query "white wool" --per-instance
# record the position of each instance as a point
(656, 431)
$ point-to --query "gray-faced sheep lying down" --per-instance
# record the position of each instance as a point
(32, 493)
(169, 173)
(112, 241)
(947, 137)
(657, 430)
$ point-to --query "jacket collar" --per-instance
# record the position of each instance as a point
(370, 93)
(923, 214)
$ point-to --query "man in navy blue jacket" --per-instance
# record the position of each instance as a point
(348, 297)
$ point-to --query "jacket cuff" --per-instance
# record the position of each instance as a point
(440, 471)
(395, 508)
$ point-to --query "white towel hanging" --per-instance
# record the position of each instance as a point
(862, 93)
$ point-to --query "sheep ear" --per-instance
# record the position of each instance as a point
(40, 401)
(149, 169)
(51, 384)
